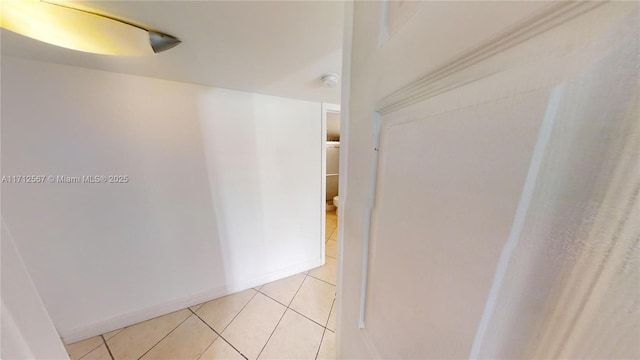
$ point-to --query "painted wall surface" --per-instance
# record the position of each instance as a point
(27, 330)
(454, 166)
(223, 191)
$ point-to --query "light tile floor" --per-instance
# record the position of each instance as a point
(292, 318)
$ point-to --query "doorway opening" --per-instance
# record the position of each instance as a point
(331, 177)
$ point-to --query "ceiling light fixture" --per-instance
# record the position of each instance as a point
(60, 24)
(329, 80)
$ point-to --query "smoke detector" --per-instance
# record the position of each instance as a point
(329, 80)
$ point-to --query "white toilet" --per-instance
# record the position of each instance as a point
(335, 203)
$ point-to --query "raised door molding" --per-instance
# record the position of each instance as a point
(442, 79)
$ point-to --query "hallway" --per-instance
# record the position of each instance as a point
(289, 318)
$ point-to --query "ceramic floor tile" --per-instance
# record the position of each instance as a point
(331, 249)
(111, 334)
(251, 329)
(218, 313)
(99, 353)
(135, 340)
(82, 348)
(221, 350)
(296, 337)
(328, 347)
(331, 324)
(314, 300)
(195, 308)
(283, 290)
(248, 320)
(187, 341)
(326, 272)
(328, 232)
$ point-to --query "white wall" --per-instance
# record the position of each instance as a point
(26, 328)
(224, 191)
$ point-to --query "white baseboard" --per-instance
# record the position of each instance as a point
(151, 312)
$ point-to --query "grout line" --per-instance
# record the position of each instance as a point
(297, 291)
(330, 310)
(197, 305)
(107, 346)
(306, 317)
(324, 281)
(118, 332)
(164, 337)
(320, 345)
(223, 329)
(329, 256)
(245, 305)
(294, 295)
(285, 311)
(219, 334)
(301, 314)
(285, 305)
(88, 352)
(207, 325)
(208, 346)
(326, 328)
(272, 332)
(330, 234)
(332, 305)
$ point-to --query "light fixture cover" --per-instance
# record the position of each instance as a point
(161, 42)
(60, 24)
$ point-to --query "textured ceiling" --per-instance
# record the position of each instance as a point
(267, 47)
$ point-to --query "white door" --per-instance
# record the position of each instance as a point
(484, 141)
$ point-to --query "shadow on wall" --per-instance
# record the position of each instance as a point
(221, 191)
(262, 156)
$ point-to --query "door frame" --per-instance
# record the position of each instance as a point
(345, 97)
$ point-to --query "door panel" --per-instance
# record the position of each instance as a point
(449, 160)
(447, 189)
